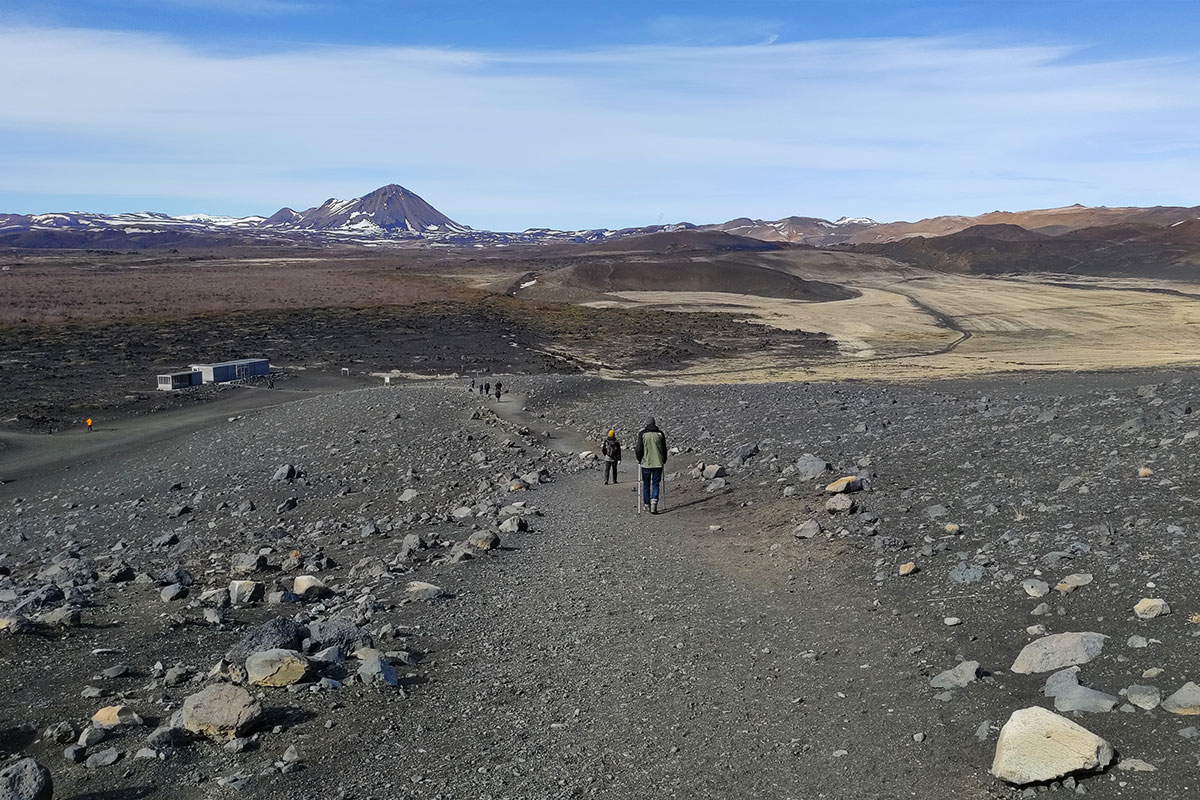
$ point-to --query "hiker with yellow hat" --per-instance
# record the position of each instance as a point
(612, 456)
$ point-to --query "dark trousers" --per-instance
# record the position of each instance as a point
(651, 478)
(610, 466)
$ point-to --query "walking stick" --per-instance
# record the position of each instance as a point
(639, 491)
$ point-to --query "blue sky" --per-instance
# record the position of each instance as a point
(508, 115)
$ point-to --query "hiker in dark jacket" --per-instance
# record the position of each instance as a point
(651, 451)
(611, 450)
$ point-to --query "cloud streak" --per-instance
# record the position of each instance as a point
(893, 128)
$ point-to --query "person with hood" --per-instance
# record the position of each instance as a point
(611, 450)
(651, 451)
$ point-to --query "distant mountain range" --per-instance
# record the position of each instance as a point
(389, 215)
(394, 215)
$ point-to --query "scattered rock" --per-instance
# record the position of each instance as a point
(420, 590)
(374, 670)
(964, 572)
(1037, 746)
(1146, 697)
(810, 467)
(1035, 588)
(1186, 700)
(956, 677)
(1073, 582)
(26, 780)
(807, 529)
(1149, 608)
(243, 593)
(115, 717)
(309, 587)
(276, 667)
(1058, 650)
(279, 633)
(840, 504)
(247, 564)
(850, 483)
(220, 712)
(103, 758)
(485, 540)
(514, 524)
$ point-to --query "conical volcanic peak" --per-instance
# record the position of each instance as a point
(389, 209)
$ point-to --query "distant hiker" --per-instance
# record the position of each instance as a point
(612, 456)
(487, 388)
(651, 452)
(89, 423)
(498, 387)
(497, 393)
(472, 386)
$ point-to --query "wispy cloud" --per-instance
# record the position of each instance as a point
(246, 7)
(890, 127)
(709, 31)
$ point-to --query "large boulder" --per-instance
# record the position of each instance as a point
(1057, 651)
(279, 633)
(1036, 746)
(221, 711)
(1185, 701)
(339, 632)
(26, 780)
(276, 668)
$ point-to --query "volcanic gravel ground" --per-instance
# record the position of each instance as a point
(703, 652)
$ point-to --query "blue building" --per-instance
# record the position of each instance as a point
(237, 370)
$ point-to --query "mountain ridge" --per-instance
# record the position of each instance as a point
(395, 215)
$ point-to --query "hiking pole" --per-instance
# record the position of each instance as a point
(639, 492)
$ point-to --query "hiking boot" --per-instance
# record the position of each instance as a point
(653, 506)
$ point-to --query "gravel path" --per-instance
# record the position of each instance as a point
(618, 656)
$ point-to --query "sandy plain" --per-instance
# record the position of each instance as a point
(913, 325)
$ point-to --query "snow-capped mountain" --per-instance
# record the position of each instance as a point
(389, 215)
(386, 210)
(802, 230)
